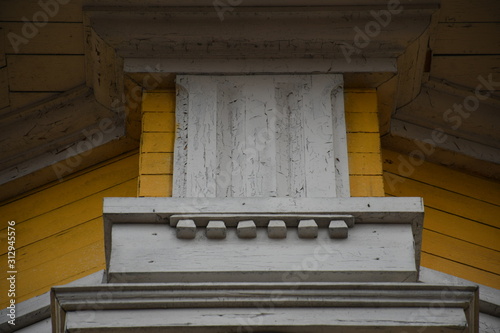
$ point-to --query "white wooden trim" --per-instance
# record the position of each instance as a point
(222, 304)
(365, 210)
(144, 253)
(37, 309)
(489, 298)
(252, 66)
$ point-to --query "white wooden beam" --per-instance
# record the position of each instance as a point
(364, 209)
(261, 66)
(489, 298)
(225, 307)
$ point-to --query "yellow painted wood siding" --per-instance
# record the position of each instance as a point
(59, 228)
(157, 144)
(363, 143)
(462, 227)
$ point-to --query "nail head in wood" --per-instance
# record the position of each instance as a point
(246, 229)
(186, 229)
(308, 229)
(216, 230)
(338, 229)
(276, 229)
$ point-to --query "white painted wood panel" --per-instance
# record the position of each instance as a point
(312, 320)
(373, 252)
(288, 307)
(261, 136)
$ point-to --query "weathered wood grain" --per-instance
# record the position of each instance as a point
(45, 72)
(489, 298)
(381, 253)
(467, 38)
(3, 62)
(13, 10)
(53, 38)
(228, 307)
(4, 88)
(465, 70)
(312, 320)
(23, 99)
(237, 141)
(467, 11)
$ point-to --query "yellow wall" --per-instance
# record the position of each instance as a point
(59, 228)
(157, 144)
(363, 143)
(462, 226)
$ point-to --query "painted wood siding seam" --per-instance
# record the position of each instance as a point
(410, 178)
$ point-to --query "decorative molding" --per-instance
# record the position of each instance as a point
(225, 307)
(262, 220)
(376, 219)
(37, 309)
(489, 298)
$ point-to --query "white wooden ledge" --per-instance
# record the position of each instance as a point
(226, 307)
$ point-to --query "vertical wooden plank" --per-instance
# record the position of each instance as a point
(202, 137)
(181, 138)
(45, 72)
(4, 88)
(3, 62)
(227, 107)
(297, 104)
(284, 153)
(260, 167)
(340, 139)
(318, 140)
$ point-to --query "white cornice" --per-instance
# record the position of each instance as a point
(227, 307)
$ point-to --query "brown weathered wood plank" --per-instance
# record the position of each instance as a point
(465, 70)
(4, 88)
(45, 72)
(15, 10)
(22, 99)
(470, 11)
(467, 38)
(53, 38)
(3, 62)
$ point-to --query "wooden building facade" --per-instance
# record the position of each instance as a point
(88, 105)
